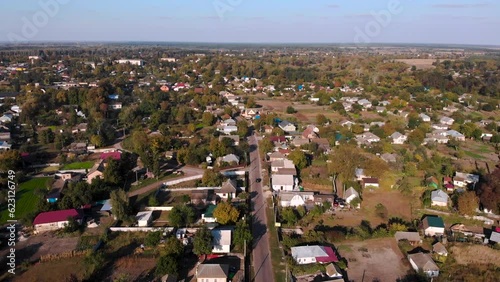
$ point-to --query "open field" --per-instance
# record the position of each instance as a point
(79, 165)
(418, 63)
(374, 259)
(25, 198)
(59, 270)
(44, 244)
(466, 254)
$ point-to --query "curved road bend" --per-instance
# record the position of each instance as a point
(263, 269)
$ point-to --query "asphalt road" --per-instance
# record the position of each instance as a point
(263, 269)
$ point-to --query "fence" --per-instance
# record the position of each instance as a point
(140, 229)
(177, 181)
(159, 208)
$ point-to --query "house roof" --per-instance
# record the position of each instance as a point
(277, 155)
(56, 216)
(322, 254)
(410, 236)
(144, 215)
(423, 261)
(231, 158)
(495, 236)
(433, 221)
(212, 271)
(439, 248)
(439, 196)
(221, 237)
(290, 171)
(333, 270)
(288, 196)
(116, 155)
(370, 180)
(228, 186)
(283, 179)
(351, 191)
(106, 205)
(209, 212)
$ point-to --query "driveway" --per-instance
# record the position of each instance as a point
(263, 269)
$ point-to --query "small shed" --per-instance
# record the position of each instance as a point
(144, 218)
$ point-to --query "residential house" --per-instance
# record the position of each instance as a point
(492, 236)
(398, 138)
(432, 182)
(277, 164)
(448, 184)
(439, 249)
(276, 156)
(228, 190)
(347, 123)
(283, 182)
(320, 199)
(169, 278)
(228, 122)
(231, 159)
(359, 173)
(77, 147)
(221, 241)
(323, 144)
(389, 158)
(447, 121)
(433, 226)
(201, 198)
(310, 132)
(367, 138)
(287, 126)
(412, 237)
(300, 141)
(81, 127)
(144, 218)
(250, 113)
(295, 199)
(365, 104)
(370, 182)
(351, 194)
(461, 230)
(421, 262)
(462, 180)
(4, 146)
(455, 135)
(439, 198)
(268, 129)
(313, 254)
(380, 109)
(424, 117)
(440, 126)
(235, 139)
(115, 155)
(277, 140)
(96, 171)
(228, 129)
(6, 118)
(53, 220)
(212, 272)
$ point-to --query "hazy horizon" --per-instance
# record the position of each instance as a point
(443, 22)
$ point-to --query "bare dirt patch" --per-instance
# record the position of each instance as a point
(132, 268)
(374, 259)
(59, 270)
(44, 244)
(471, 254)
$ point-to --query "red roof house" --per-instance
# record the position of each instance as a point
(116, 155)
(53, 220)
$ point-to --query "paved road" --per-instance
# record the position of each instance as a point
(263, 269)
(188, 172)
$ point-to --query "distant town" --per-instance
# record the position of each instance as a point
(233, 162)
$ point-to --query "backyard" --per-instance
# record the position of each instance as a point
(78, 165)
(25, 198)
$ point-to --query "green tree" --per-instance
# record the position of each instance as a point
(167, 265)
(211, 178)
(173, 247)
(243, 130)
(265, 146)
(225, 213)
(288, 214)
(72, 225)
(208, 119)
(181, 215)
(202, 243)
(112, 172)
(290, 110)
(242, 234)
(298, 158)
(152, 239)
(120, 204)
(10, 160)
(467, 203)
(321, 119)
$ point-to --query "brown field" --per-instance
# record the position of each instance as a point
(132, 268)
(419, 63)
(375, 259)
(59, 270)
(44, 244)
(474, 254)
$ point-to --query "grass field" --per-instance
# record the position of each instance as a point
(25, 198)
(79, 165)
(276, 253)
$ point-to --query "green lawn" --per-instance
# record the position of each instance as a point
(79, 165)
(25, 198)
(276, 253)
(474, 155)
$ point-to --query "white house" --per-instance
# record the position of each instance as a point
(440, 249)
(231, 158)
(277, 164)
(439, 198)
(144, 218)
(463, 179)
(283, 182)
(447, 121)
(398, 138)
(228, 190)
(433, 226)
(228, 129)
(221, 241)
(4, 146)
(115, 105)
(53, 220)
(295, 199)
(212, 273)
(456, 135)
(287, 126)
(367, 138)
(421, 262)
(424, 117)
(351, 194)
(313, 254)
(130, 61)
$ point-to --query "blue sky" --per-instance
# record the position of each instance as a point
(328, 21)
